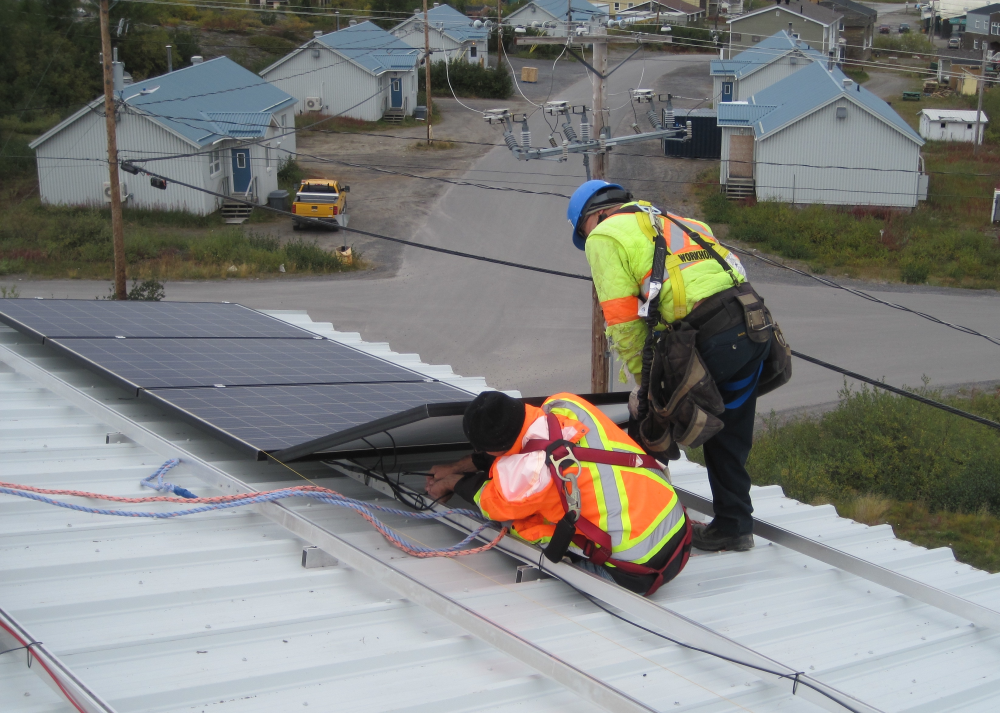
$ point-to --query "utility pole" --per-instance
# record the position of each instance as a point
(427, 71)
(599, 351)
(979, 107)
(499, 34)
(117, 229)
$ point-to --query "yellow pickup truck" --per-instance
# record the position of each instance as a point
(321, 198)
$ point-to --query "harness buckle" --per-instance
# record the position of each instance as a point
(564, 464)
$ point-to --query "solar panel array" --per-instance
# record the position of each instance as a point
(254, 380)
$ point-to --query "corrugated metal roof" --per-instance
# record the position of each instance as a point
(214, 612)
(762, 54)
(240, 124)
(959, 115)
(373, 48)
(741, 113)
(815, 86)
(583, 11)
(454, 24)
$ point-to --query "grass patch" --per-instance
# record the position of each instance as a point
(857, 74)
(50, 241)
(343, 124)
(881, 458)
(434, 146)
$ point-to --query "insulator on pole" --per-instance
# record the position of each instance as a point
(584, 129)
(635, 128)
(552, 141)
(525, 134)
(651, 115)
(508, 137)
(569, 132)
(689, 131)
(565, 150)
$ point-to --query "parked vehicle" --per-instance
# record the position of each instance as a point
(321, 198)
(953, 43)
(884, 29)
(903, 28)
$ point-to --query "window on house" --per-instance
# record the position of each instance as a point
(969, 126)
(215, 162)
(736, 36)
(995, 28)
(283, 119)
(629, 6)
(755, 38)
(975, 44)
(943, 125)
(472, 51)
(267, 157)
(617, 6)
(841, 28)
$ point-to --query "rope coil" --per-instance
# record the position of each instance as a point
(224, 502)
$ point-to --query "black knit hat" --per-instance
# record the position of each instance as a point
(493, 421)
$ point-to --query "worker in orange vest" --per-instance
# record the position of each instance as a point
(569, 480)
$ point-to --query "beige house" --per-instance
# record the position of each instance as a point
(817, 26)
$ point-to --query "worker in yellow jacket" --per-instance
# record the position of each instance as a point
(699, 287)
(568, 479)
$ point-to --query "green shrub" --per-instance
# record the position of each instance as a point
(469, 80)
(908, 42)
(914, 272)
(16, 159)
(272, 45)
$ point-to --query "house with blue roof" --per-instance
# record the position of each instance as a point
(451, 35)
(551, 16)
(214, 125)
(361, 72)
(818, 137)
(774, 58)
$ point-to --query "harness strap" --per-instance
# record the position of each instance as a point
(708, 247)
(596, 455)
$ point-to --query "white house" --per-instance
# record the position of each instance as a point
(817, 137)
(361, 72)
(451, 35)
(230, 133)
(669, 12)
(551, 16)
(757, 68)
(951, 125)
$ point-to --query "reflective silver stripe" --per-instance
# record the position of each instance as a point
(654, 540)
(609, 484)
(678, 240)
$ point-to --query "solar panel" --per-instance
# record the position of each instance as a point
(111, 318)
(172, 363)
(270, 418)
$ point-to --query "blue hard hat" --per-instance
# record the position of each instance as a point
(588, 196)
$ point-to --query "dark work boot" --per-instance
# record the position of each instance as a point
(707, 538)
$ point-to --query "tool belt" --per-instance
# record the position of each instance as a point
(679, 402)
(573, 528)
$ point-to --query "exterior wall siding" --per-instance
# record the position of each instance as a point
(765, 77)
(860, 140)
(412, 33)
(345, 88)
(767, 23)
(81, 182)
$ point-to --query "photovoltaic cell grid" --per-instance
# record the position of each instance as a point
(110, 318)
(271, 418)
(172, 363)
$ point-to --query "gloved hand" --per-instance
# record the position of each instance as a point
(633, 404)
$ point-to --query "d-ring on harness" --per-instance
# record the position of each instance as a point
(563, 460)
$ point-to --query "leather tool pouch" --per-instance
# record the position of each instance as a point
(757, 317)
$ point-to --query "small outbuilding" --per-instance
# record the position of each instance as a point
(214, 125)
(818, 137)
(952, 125)
(451, 35)
(361, 72)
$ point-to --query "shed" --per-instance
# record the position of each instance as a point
(774, 58)
(817, 137)
(550, 16)
(706, 136)
(951, 125)
(818, 26)
(361, 72)
(451, 35)
(230, 133)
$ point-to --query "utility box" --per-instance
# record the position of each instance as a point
(706, 135)
(529, 74)
(278, 200)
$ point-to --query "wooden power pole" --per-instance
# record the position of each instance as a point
(599, 351)
(117, 229)
(979, 106)
(427, 72)
(599, 354)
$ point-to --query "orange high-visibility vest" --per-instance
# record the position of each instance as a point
(636, 506)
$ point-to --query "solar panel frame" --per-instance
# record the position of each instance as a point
(137, 319)
(278, 421)
(187, 363)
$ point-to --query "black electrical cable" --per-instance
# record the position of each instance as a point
(861, 293)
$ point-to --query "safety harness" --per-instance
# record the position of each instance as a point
(563, 460)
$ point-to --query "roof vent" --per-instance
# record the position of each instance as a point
(317, 33)
(352, 23)
(848, 83)
(841, 112)
(437, 4)
(197, 59)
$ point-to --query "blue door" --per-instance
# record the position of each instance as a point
(241, 170)
(396, 94)
(727, 91)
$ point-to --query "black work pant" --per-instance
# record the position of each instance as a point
(730, 357)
